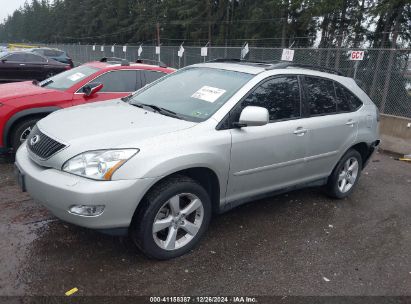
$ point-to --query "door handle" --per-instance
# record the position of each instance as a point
(350, 123)
(21, 64)
(300, 131)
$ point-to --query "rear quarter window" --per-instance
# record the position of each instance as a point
(52, 53)
(346, 100)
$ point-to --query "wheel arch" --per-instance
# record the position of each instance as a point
(361, 147)
(364, 150)
(22, 115)
(205, 176)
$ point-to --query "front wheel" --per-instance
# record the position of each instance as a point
(345, 175)
(173, 218)
(21, 131)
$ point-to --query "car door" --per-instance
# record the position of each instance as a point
(116, 84)
(36, 67)
(269, 157)
(331, 130)
(12, 67)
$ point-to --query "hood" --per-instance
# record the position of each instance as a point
(108, 124)
(21, 89)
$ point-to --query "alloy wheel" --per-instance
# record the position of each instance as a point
(178, 221)
(348, 175)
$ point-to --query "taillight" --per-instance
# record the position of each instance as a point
(68, 67)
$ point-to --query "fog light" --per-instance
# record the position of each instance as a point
(87, 210)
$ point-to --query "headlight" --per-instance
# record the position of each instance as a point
(99, 165)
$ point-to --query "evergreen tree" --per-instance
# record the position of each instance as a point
(275, 23)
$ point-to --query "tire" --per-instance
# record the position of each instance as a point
(21, 131)
(336, 187)
(157, 206)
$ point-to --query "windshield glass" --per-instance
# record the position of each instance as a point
(194, 93)
(67, 79)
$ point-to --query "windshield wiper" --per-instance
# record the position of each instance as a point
(157, 109)
(43, 84)
(127, 98)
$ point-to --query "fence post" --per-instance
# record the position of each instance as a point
(387, 81)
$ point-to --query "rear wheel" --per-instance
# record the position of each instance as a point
(345, 175)
(21, 131)
(173, 218)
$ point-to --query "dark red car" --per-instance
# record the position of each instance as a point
(22, 66)
(22, 104)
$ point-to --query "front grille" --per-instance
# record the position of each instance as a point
(42, 145)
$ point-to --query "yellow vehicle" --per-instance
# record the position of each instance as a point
(19, 46)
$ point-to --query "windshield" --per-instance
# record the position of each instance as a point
(67, 79)
(194, 93)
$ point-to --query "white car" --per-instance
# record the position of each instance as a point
(200, 141)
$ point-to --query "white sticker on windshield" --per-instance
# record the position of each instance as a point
(76, 76)
(209, 94)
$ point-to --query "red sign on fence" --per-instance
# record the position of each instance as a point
(357, 55)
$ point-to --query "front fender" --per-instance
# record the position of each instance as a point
(19, 115)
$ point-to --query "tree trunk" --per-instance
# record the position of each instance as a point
(209, 14)
(284, 20)
(340, 35)
(357, 28)
(380, 55)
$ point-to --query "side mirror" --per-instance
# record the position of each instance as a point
(92, 88)
(253, 116)
(3, 60)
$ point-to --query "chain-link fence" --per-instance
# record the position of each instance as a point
(385, 74)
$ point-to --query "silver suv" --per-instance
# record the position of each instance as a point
(203, 140)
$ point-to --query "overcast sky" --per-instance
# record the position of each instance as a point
(7, 7)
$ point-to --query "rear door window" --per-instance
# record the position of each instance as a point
(320, 95)
(118, 81)
(346, 100)
(34, 58)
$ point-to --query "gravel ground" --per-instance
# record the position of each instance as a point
(300, 243)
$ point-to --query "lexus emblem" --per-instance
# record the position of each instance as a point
(34, 140)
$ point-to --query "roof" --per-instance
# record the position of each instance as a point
(131, 66)
(255, 67)
(232, 66)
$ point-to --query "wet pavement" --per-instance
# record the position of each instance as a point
(300, 243)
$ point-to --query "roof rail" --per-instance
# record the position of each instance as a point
(272, 65)
(284, 65)
(240, 61)
(122, 61)
(150, 61)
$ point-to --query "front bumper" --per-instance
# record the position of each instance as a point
(58, 191)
